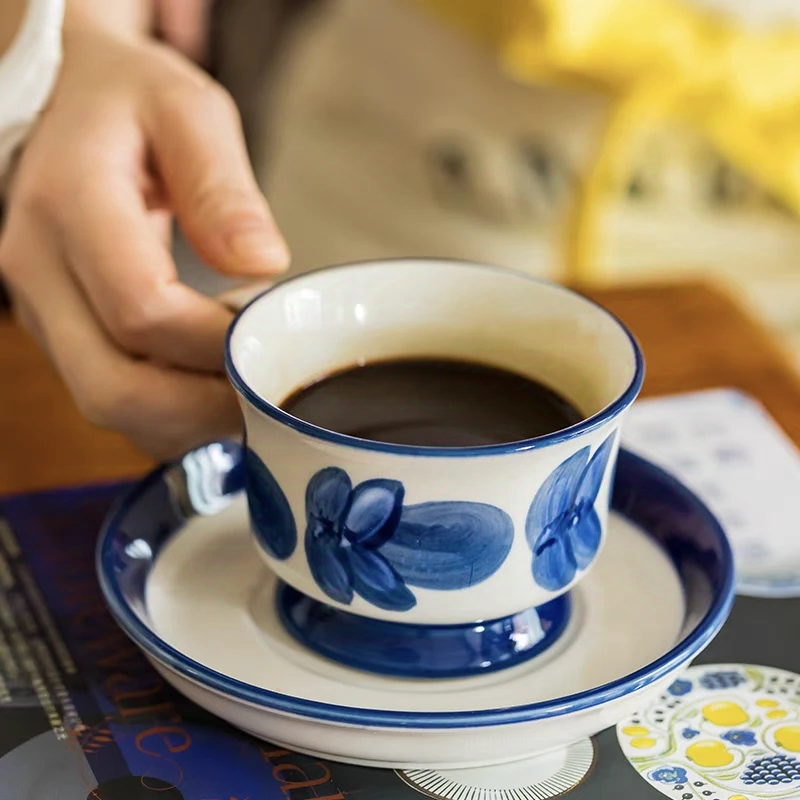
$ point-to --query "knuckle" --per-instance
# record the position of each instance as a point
(99, 404)
(107, 400)
(217, 100)
(50, 190)
(134, 324)
(40, 185)
(200, 99)
(218, 201)
(37, 197)
(126, 408)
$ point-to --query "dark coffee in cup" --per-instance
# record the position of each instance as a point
(432, 403)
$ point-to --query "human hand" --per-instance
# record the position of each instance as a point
(133, 133)
(184, 24)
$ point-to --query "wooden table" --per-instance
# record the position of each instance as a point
(694, 337)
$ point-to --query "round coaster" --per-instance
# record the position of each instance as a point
(722, 732)
(541, 777)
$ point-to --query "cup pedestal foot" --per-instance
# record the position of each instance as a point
(421, 651)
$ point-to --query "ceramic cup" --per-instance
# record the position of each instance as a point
(435, 539)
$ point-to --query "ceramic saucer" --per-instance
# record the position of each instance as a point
(182, 578)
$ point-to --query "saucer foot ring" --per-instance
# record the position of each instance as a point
(542, 776)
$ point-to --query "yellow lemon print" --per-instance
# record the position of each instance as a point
(789, 738)
(643, 742)
(725, 714)
(737, 797)
(635, 730)
(709, 754)
(766, 703)
(778, 713)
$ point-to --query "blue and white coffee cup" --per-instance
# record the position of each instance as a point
(385, 547)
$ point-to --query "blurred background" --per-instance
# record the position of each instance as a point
(491, 130)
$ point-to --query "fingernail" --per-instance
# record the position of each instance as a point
(259, 249)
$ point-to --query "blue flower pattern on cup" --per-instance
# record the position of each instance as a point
(362, 541)
(270, 515)
(448, 545)
(562, 527)
(669, 775)
(345, 528)
(743, 738)
(690, 733)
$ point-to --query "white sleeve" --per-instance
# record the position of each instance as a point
(28, 72)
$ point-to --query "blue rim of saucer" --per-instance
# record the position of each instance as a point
(644, 494)
(590, 423)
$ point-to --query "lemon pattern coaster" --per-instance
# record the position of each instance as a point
(724, 732)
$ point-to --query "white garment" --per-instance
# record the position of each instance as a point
(28, 72)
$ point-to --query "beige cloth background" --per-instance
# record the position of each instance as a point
(377, 131)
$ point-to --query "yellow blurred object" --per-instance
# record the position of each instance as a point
(658, 60)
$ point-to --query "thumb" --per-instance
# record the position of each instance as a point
(200, 153)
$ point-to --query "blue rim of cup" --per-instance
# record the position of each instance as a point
(597, 420)
(159, 650)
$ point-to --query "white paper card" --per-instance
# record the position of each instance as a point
(725, 447)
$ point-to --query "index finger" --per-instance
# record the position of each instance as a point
(129, 276)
